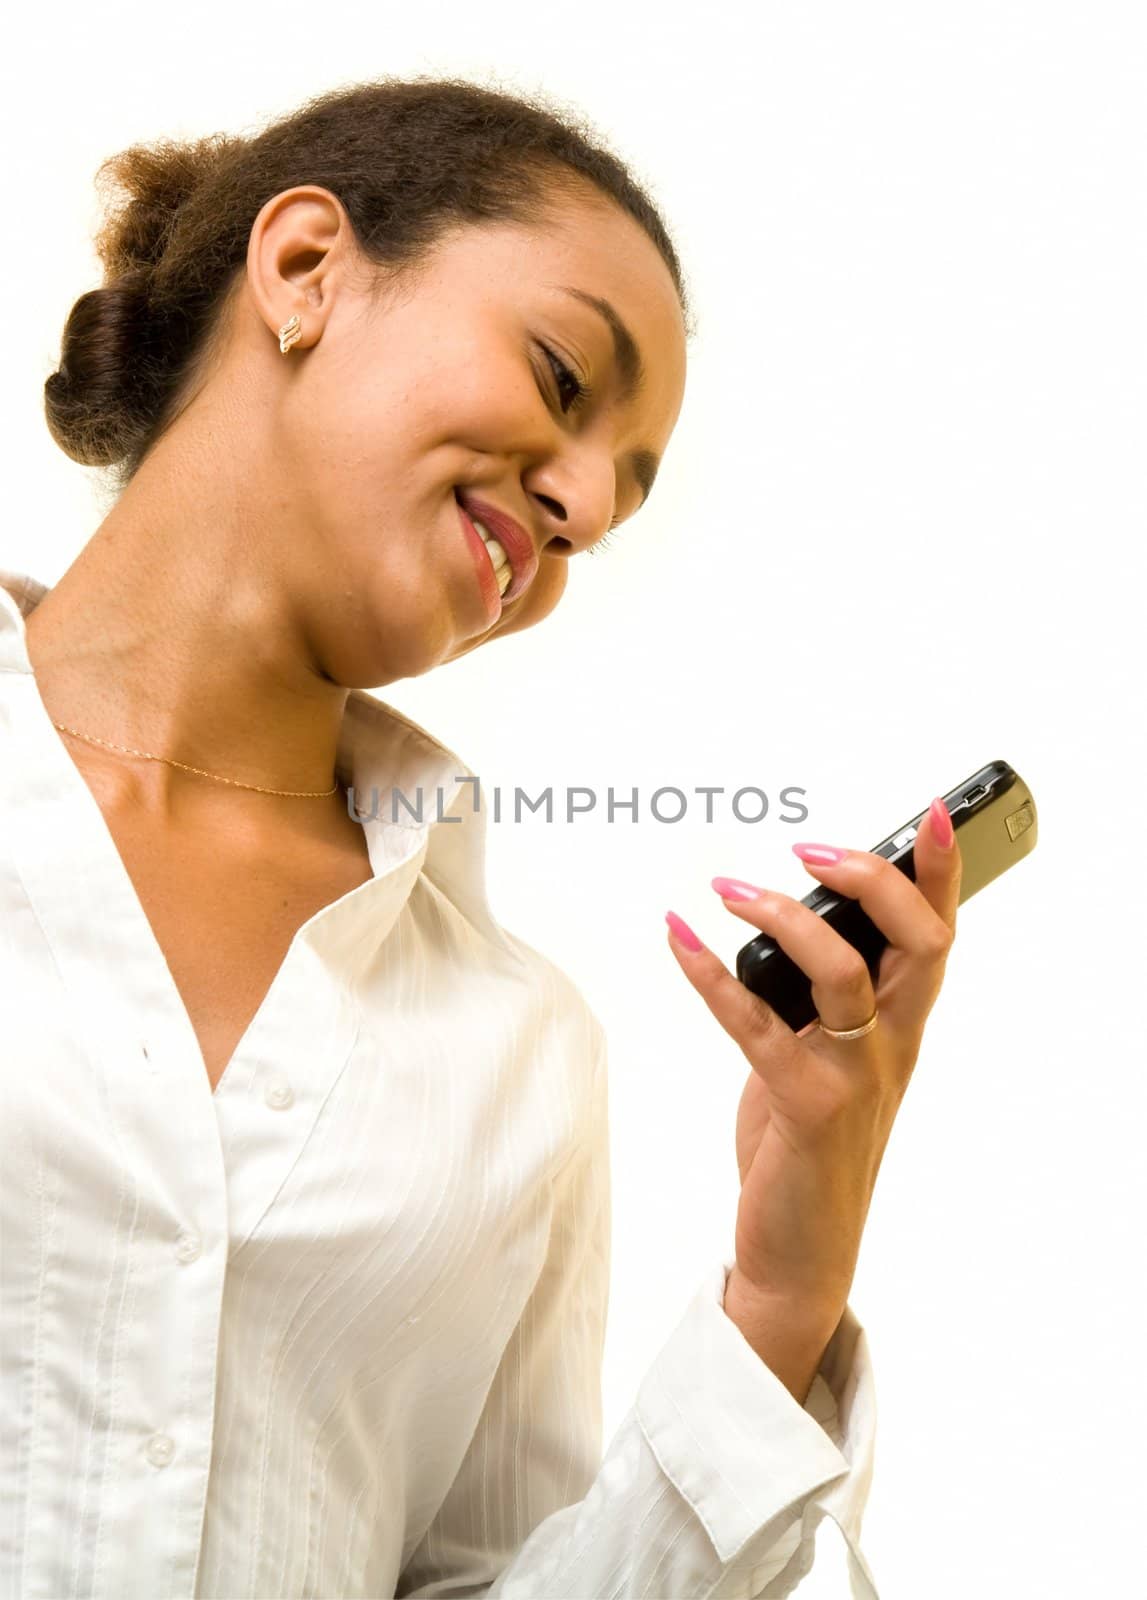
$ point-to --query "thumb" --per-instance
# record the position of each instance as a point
(937, 861)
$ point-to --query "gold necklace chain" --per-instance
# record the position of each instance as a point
(298, 794)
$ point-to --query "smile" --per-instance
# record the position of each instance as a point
(499, 560)
(508, 548)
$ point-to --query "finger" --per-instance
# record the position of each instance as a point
(767, 1041)
(913, 918)
(842, 988)
(905, 915)
(918, 920)
(937, 862)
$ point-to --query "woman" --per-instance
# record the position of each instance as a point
(306, 1190)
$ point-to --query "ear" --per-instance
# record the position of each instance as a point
(297, 259)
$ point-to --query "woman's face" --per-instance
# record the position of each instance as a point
(445, 389)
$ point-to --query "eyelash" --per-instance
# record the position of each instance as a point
(601, 545)
(582, 391)
(581, 397)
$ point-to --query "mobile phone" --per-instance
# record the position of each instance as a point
(994, 818)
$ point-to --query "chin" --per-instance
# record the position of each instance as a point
(536, 605)
(369, 663)
(533, 607)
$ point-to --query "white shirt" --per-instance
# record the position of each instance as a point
(336, 1328)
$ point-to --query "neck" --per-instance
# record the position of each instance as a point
(168, 634)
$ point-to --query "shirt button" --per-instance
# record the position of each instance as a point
(279, 1094)
(160, 1449)
(188, 1247)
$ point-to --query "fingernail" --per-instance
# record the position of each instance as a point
(822, 855)
(736, 889)
(942, 829)
(682, 932)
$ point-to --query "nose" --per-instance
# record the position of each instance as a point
(564, 534)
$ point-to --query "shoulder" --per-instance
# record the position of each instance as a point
(563, 1026)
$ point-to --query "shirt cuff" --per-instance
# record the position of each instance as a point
(735, 1442)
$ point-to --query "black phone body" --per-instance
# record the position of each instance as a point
(994, 816)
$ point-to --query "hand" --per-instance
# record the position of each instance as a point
(816, 1112)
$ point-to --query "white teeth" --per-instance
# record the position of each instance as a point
(498, 556)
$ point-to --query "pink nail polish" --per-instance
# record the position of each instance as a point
(821, 855)
(736, 889)
(682, 932)
(942, 829)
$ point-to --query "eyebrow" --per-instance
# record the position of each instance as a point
(627, 355)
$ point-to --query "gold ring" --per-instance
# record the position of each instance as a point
(850, 1033)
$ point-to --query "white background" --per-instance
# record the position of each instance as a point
(898, 533)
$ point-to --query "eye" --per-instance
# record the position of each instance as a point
(581, 391)
(580, 396)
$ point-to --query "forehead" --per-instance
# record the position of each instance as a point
(585, 248)
(592, 244)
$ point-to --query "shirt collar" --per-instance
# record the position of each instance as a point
(379, 751)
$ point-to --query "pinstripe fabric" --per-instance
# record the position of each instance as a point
(336, 1329)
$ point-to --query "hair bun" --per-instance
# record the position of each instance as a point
(95, 402)
(118, 346)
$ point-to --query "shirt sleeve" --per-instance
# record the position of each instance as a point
(716, 1480)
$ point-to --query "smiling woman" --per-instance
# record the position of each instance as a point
(307, 1211)
(445, 331)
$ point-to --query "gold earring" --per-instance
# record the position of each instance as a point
(290, 334)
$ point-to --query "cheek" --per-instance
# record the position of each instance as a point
(480, 390)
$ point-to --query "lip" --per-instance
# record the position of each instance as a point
(483, 567)
(513, 538)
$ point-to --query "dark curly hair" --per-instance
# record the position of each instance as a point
(408, 158)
